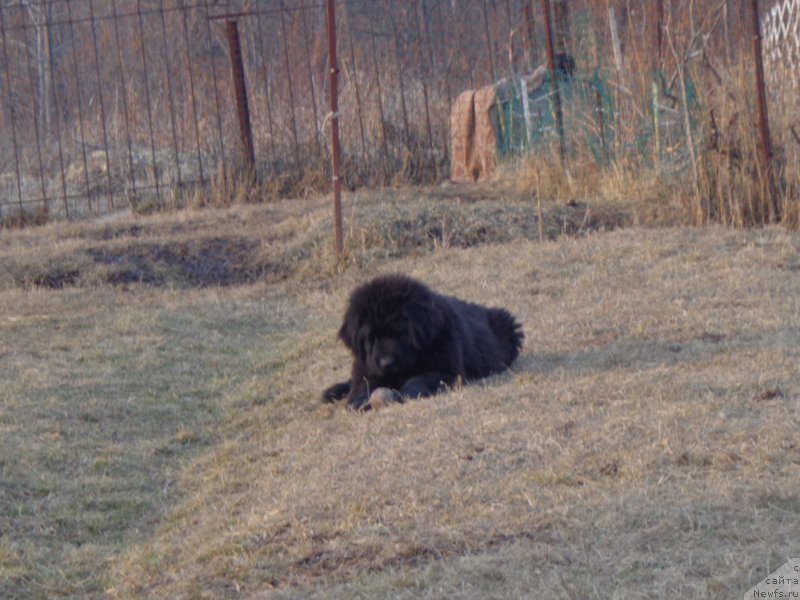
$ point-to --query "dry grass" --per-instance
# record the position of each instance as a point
(288, 240)
(164, 439)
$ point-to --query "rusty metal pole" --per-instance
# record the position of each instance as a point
(240, 87)
(530, 37)
(561, 18)
(659, 16)
(764, 141)
(489, 45)
(335, 148)
(551, 65)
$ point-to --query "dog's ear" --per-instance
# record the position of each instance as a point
(348, 331)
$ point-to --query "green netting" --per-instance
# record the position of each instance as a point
(524, 120)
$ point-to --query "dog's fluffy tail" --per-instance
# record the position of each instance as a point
(508, 331)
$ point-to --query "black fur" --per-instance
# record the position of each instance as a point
(405, 337)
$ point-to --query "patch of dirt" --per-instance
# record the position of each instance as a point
(56, 279)
(406, 231)
(198, 263)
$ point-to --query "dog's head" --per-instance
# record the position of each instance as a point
(389, 323)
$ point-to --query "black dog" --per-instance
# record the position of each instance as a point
(409, 339)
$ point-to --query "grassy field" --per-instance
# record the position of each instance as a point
(161, 434)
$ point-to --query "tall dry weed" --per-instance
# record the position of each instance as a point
(734, 188)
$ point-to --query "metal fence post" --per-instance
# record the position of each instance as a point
(530, 37)
(335, 149)
(764, 140)
(551, 64)
(240, 87)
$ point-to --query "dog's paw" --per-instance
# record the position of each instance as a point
(336, 392)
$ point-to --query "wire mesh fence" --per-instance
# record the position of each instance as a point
(114, 103)
(111, 104)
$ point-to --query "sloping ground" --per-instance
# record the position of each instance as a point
(161, 436)
(644, 445)
(281, 241)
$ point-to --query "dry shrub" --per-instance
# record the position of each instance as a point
(545, 176)
(649, 197)
(734, 188)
